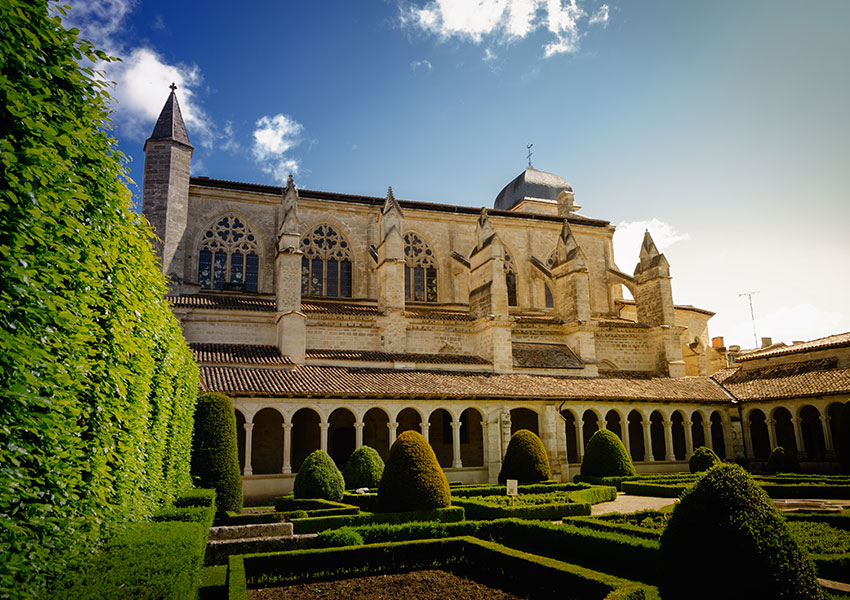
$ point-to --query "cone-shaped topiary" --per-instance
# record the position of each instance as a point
(215, 460)
(412, 479)
(844, 438)
(725, 514)
(783, 461)
(363, 469)
(318, 477)
(703, 459)
(606, 456)
(525, 459)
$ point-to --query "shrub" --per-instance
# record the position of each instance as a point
(318, 477)
(344, 536)
(412, 479)
(605, 456)
(525, 459)
(726, 515)
(215, 462)
(363, 469)
(844, 438)
(782, 461)
(703, 459)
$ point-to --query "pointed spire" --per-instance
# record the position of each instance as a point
(651, 257)
(290, 207)
(567, 247)
(648, 248)
(169, 125)
(391, 204)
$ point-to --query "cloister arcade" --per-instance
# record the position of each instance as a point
(809, 429)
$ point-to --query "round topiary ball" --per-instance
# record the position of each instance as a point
(318, 477)
(725, 515)
(606, 456)
(525, 459)
(215, 460)
(703, 459)
(783, 461)
(412, 479)
(363, 469)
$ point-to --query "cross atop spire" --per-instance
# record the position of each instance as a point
(172, 87)
(528, 147)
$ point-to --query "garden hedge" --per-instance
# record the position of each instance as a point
(412, 479)
(782, 460)
(606, 456)
(98, 385)
(319, 477)
(363, 469)
(215, 458)
(703, 459)
(525, 459)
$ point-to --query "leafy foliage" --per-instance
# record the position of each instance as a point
(606, 456)
(703, 459)
(525, 459)
(344, 536)
(318, 477)
(726, 514)
(413, 479)
(98, 386)
(363, 469)
(215, 458)
(782, 461)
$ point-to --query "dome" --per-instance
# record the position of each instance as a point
(534, 184)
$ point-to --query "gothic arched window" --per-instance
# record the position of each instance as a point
(228, 257)
(550, 301)
(420, 270)
(510, 279)
(326, 264)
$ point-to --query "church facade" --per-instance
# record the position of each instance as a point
(337, 320)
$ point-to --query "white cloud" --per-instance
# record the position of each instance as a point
(274, 136)
(421, 64)
(229, 143)
(503, 20)
(629, 236)
(98, 21)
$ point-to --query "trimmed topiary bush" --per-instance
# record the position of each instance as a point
(318, 477)
(606, 456)
(783, 461)
(412, 479)
(215, 461)
(344, 536)
(725, 514)
(703, 459)
(525, 459)
(363, 469)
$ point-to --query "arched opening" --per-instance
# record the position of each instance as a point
(784, 429)
(637, 445)
(341, 436)
(656, 435)
(325, 263)
(240, 439)
(590, 424)
(759, 436)
(834, 412)
(510, 279)
(306, 436)
(228, 256)
(409, 420)
(697, 430)
(440, 436)
(812, 431)
(524, 418)
(612, 423)
(471, 438)
(572, 435)
(420, 270)
(718, 440)
(375, 431)
(267, 444)
(677, 424)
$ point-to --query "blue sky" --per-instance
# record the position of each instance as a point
(721, 126)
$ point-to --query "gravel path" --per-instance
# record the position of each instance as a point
(628, 504)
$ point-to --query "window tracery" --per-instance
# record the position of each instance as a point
(326, 264)
(420, 270)
(228, 257)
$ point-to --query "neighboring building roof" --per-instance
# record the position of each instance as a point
(531, 183)
(792, 380)
(225, 301)
(832, 341)
(236, 354)
(689, 307)
(395, 357)
(545, 356)
(358, 382)
(314, 309)
(437, 314)
(169, 125)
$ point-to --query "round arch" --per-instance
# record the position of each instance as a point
(267, 442)
(409, 419)
(759, 435)
(341, 435)
(637, 444)
(570, 422)
(718, 439)
(812, 430)
(656, 435)
(697, 429)
(306, 435)
(524, 418)
(472, 438)
(784, 427)
(590, 424)
(677, 426)
(240, 438)
(376, 432)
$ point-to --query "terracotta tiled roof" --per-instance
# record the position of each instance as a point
(690, 307)
(393, 357)
(534, 318)
(310, 381)
(437, 314)
(226, 301)
(795, 380)
(832, 341)
(545, 356)
(621, 323)
(313, 308)
(236, 354)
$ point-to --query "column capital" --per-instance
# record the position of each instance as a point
(248, 426)
(287, 426)
(359, 425)
(324, 426)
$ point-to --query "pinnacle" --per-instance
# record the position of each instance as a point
(169, 125)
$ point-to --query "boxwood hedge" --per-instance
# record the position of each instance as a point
(320, 478)
(525, 459)
(606, 456)
(215, 459)
(412, 479)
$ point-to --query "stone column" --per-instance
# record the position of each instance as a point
(323, 427)
(627, 441)
(689, 438)
(706, 433)
(827, 437)
(647, 442)
(798, 434)
(580, 439)
(485, 434)
(392, 426)
(493, 447)
(249, 437)
(287, 448)
(506, 431)
(456, 463)
(669, 455)
(425, 428)
(358, 434)
(771, 432)
(746, 431)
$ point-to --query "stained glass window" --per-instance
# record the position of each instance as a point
(420, 270)
(326, 264)
(228, 256)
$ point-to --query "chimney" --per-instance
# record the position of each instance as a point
(717, 342)
(766, 341)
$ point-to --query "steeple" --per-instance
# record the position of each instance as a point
(650, 257)
(169, 125)
(391, 204)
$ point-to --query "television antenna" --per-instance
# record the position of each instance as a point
(749, 296)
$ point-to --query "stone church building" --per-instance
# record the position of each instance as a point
(336, 320)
